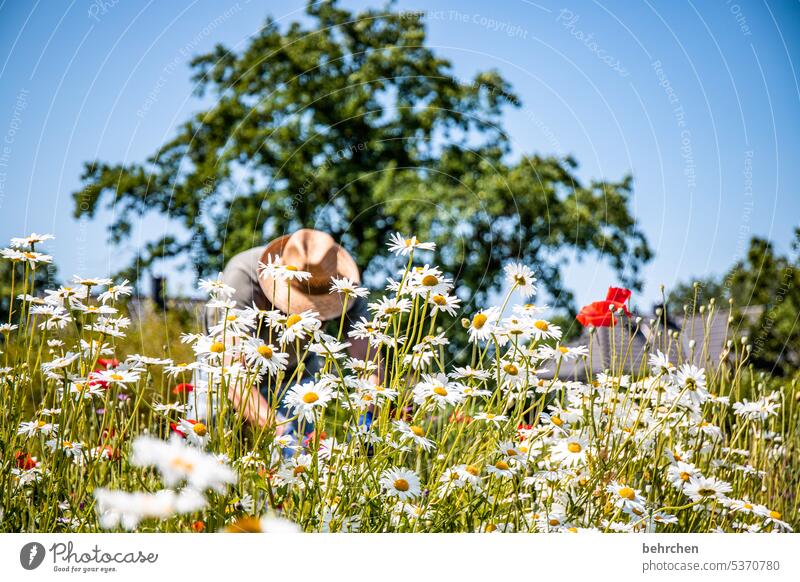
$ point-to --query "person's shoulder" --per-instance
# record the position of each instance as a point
(245, 261)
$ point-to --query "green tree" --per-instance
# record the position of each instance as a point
(45, 277)
(765, 279)
(352, 125)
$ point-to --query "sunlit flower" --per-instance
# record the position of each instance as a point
(400, 483)
(402, 246)
(625, 497)
(195, 432)
(571, 450)
(307, 399)
(706, 489)
(347, 287)
(266, 358)
(414, 433)
(178, 462)
(299, 326)
(387, 307)
(216, 287)
(36, 427)
(521, 277)
(437, 389)
(482, 325)
(31, 240)
(289, 273)
(127, 510)
(491, 418)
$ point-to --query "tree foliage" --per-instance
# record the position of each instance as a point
(352, 125)
(761, 278)
(13, 272)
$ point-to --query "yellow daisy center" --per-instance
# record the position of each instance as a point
(502, 465)
(298, 470)
(541, 325)
(417, 430)
(511, 369)
(556, 420)
(574, 447)
(290, 268)
(439, 300)
(627, 493)
(182, 464)
(245, 525)
(265, 351)
(217, 347)
(200, 429)
(440, 390)
(430, 281)
(685, 476)
(472, 470)
(775, 514)
(563, 350)
(292, 319)
(310, 397)
(479, 321)
(401, 485)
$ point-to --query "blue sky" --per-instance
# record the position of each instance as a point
(698, 100)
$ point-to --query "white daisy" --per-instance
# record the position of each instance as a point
(305, 399)
(400, 483)
(521, 277)
(402, 246)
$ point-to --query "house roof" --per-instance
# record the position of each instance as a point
(624, 348)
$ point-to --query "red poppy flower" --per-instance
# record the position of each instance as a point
(24, 461)
(183, 389)
(112, 453)
(103, 364)
(460, 417)
(175, 429)
(618, 295)
(199, 526)
(599, 313)
(106, 364)
(311, 435)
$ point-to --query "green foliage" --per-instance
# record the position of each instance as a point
(352, 125)
(45, 277)
(762, 278)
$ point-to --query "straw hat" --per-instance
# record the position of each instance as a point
(317, 253)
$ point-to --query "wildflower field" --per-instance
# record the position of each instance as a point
(95, 438)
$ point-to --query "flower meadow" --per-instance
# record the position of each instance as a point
(417, 437)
